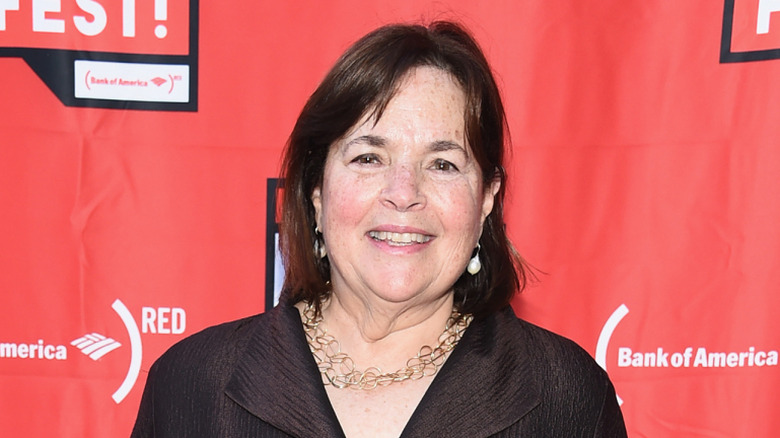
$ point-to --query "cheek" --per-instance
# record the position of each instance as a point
(460, 207)
(345, 202)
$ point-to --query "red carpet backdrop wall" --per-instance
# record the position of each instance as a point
(140, 140)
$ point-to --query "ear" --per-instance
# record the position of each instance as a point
(316, 200)
(489, 197)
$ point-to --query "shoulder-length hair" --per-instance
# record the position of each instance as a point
(363, 81)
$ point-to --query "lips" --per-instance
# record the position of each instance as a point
(399, 239)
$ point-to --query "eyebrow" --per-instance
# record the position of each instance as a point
(371, 140)
(446, 145)
(377, 141)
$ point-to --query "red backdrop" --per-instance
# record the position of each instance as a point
(644, 185)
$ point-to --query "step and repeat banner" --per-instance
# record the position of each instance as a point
(139, 149)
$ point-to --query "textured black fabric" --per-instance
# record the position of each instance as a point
(256, 378)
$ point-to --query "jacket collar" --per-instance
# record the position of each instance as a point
(486, 385)
(277, 380)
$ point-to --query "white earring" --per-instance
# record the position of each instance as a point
(474, 264)
(319, 246)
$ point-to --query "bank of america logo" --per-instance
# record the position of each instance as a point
(158, 81)
(95, 345)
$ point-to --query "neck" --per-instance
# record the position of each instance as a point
(384, 335)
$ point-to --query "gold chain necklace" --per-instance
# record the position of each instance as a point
(338, 369)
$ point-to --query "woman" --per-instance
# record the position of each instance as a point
(395, 318)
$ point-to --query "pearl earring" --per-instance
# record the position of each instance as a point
(474, 264)
(319, 244)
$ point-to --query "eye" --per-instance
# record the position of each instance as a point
(444, 166)
(366, 159)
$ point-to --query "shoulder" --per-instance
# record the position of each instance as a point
(526, 381)
(575, 394)
(566, 371)
(186, 387)
(210, 344)
(543, 346)
(204, 360)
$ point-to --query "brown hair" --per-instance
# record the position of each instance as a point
(363, 81)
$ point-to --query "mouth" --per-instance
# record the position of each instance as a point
(399, 239)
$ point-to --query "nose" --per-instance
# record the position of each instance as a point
(402, 189)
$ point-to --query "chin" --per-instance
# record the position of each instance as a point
(404, 293)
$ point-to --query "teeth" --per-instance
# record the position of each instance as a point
(399, 238)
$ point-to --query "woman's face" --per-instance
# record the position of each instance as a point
(402, 202)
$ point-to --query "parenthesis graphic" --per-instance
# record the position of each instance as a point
(171, 90)
(606, 334)
(136, 351)
(86, 79)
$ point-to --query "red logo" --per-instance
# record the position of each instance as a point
(158, 81)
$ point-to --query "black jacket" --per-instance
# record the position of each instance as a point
(256, 378)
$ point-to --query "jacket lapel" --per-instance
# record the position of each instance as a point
(486, 385)
(277, 379)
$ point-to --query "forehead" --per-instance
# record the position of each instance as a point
(426, 100)
(427, 82)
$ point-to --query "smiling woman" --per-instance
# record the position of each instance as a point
(394, 185)
(458, 110)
